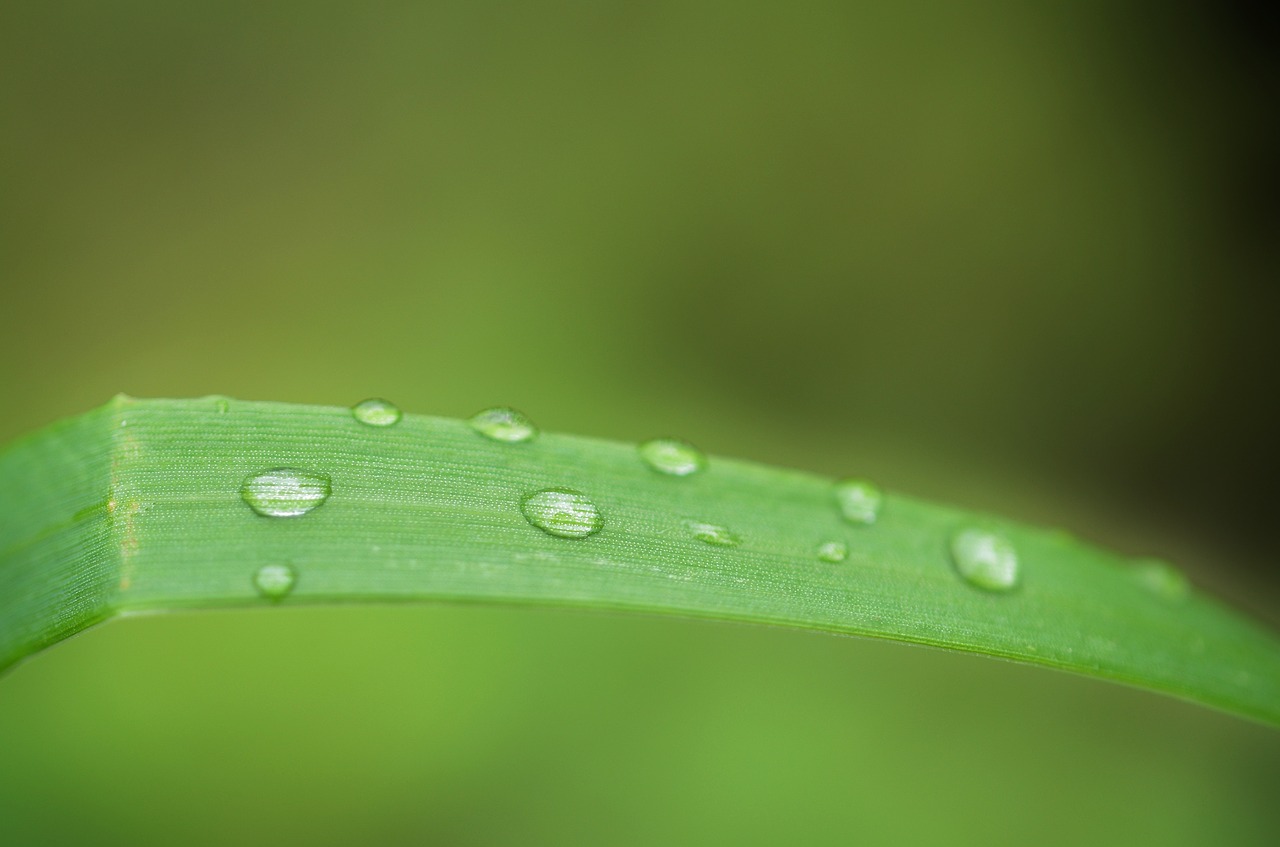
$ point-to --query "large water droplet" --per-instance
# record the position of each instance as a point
(375, 412)
(503, 424)
(1162, 579)
(672, 456)
(833, 551)
(285, 492)
(562, 512)
(985, 559)
(859, 501)
(713, 534)
(274, 582)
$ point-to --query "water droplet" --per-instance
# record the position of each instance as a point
(222, 405)
(285, 492)
(1162, 579)
(859, 501)
(375, 412)
(672, 456)
(985, 559)
(713, 534)
(833, 551)
(274, 582)
(562, 512)
(503, 424)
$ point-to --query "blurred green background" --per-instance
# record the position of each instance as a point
(1014, 256)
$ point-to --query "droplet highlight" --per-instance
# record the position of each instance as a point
(985, 559)
(672, 456)
(833, 551)
(376, 412)
(1162, 579)
(562, 512)
(504, 424)
(285, 492)
(713, 534)
(859, 501)
(274, 582)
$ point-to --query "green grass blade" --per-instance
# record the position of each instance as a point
(137, 506)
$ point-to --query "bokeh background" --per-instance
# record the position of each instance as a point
(1016, 256)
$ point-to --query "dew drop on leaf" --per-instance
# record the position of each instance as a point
(672, 456)
(503, 424)
(859, 501)
(1162, 579)
(375, 412)
(985, 559)
(833, 551)
(562, 512)
(274, 582)
(713, 534)
(285, 492)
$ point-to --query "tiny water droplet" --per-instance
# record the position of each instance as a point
(375, 412)
(672, 456)
(1162, 579)
(562, 512)
(285, 492)
(503, 424)
(222, 405)
(859, 501)
(274, 582)
(713, 534)
(985, 559)
(833, 551)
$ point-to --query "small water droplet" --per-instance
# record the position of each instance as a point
(222, 405)
(503, 424)
(274, 582)
(562, 512)
(713, 534)
(1162, 579)
(672, 456)
(859, 501)
(985, 559)
(375, 412)
(833, 551)
(285, 492)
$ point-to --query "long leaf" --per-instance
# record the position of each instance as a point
(148, 505)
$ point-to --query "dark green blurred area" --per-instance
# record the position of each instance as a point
(1012, 257)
